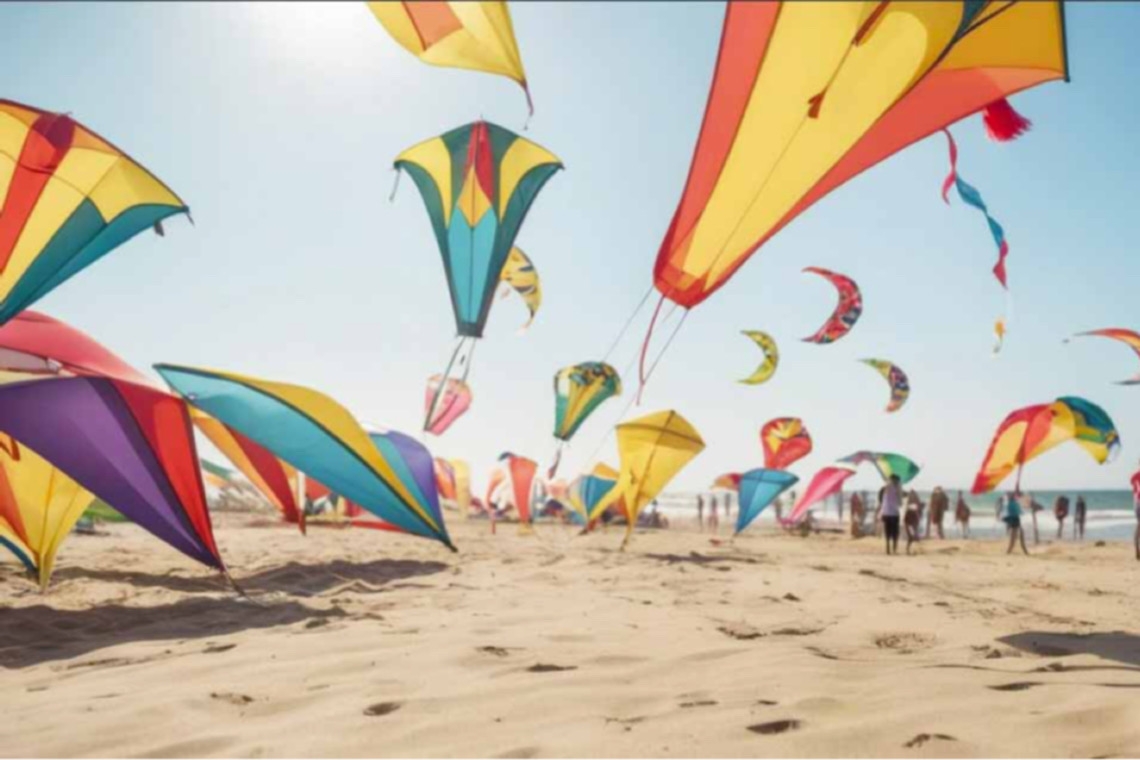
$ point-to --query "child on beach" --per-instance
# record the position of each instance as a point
(962, 516)
(1012, 520)
(890, 502)
(1080, 512)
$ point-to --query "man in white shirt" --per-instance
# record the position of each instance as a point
(890, 504)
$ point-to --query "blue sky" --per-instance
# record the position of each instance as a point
(278, 124)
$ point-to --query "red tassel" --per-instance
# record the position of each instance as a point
(1003, 123)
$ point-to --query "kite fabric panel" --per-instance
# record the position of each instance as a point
(767, 368)
(758, 489)
(896, 379)
(520, 275)
(519, 477)
(39, 505)
(729, 481)
(316, 435)
(132, 446)
(847, 310)
(805, 96)
(67, 198)
(36, 343)
(785, 441)
(1027, 433)
(1129, 338)
(477, 182)
(475, 35)
(277, 481)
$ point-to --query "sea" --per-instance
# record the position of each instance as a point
(1110, 513)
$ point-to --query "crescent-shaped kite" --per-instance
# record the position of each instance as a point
(900, 385)
(767, 344)
(847, 311)
(1128, 337)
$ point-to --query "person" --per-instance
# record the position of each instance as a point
(939, 506)
(728, 506)
(890, 501)
(1061, 511)
(700, 513)
(999, 507)
(857, 515)
(1136, 508)
(1034, 507)
(1080, 513)
(714, 518)
(1012, 519)
(912, 519)
(962, 516)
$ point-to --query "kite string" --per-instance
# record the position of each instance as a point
(395, 187)
(628, 322)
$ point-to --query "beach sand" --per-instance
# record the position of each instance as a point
(362, 643)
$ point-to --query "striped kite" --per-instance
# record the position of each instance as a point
(896, 378)
(520, 275)
(847, 311)
(1129, 338)
(578, 391)
(67, 198)
(442, 408)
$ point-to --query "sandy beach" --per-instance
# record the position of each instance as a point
(357, 643)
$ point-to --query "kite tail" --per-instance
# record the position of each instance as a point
(1003, 123)
(395, 187)
(645, 348)
(529, 106)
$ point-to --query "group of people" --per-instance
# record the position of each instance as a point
(713, 521)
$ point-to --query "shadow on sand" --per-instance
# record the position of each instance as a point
(37, 634)
(1111, 645)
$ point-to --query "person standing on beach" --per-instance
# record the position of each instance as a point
(1136, 508)
(890, 502)
(1080, 513)
(1061, 511)
(700, 513)
(728, 507)
(858, 514)
(1012, 519)
(912, 519)
(714, 518)
(939, 506)
(962, 516)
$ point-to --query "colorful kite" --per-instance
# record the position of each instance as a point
(519, 477)
(767, 344)
(39, 505)
(896, 378)
(462, 486)
(444, 403)
(653, 449)
(587, 491)
(1028, 433)
(785, 441)
(130, 445)
(462, 35)
(277, 481)
(67, 198)
(730, 481)
(847, 311)
(478, 183)
(444, 478)
(520, 275)
(758, 489)
(1127, 337)
(319, 437)
(579, 390)
(216, 476)
(886, 463)
(806, 96)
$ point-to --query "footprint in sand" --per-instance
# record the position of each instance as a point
(215, 648)
(775, 727)
(233, 698)
(699, 703)
(543, 667)
(1016, 686)
(921, 739)
(904, 642)
(493, 650)
(382, 708)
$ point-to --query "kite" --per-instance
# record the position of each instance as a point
(462, 485)
(886, 463)
(578, 391)
(319, 437)
(758, 489)
(785, 441)
(767, 344)
(130, 445)
(587, 491)
(519, 476)
(462, 35)
(896, 378)
(730, 481)
(444, 403)
(67, 198)
(39, 505)
(477, 183)
(276, 480)
(653, 449)
(216, 476)
(444, 478)
(847, 311)
(1028, 433)
(520, 275)
(415, 471)
(805, 96)
(1127, 337)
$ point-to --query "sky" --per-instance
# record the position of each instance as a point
(278, 123)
